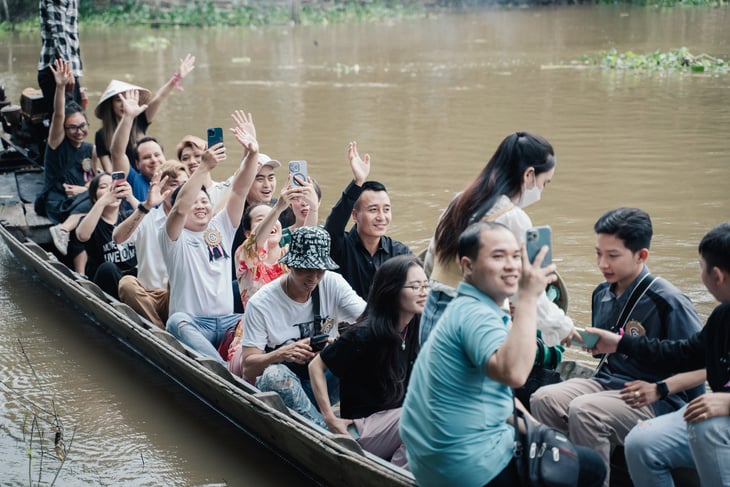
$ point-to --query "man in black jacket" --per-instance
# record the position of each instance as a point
(698, 435)
(365, 247)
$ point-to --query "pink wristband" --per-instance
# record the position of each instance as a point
(176, 78)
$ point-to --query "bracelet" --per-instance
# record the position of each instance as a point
(176, 78)
(142, 208)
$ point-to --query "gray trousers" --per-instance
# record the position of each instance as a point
(379, 435)
(591, 415)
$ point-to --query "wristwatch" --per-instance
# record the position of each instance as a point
(662, 389)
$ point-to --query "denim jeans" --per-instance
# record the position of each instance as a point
(435, 306)
(654, 447)
(201, 333)
(297, 393)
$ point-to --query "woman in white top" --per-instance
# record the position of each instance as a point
(513, 178)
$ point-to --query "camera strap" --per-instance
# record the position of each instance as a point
(315, 309)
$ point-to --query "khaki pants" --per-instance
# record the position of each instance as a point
(152, 304)
(591, 415)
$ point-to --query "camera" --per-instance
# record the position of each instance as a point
(318, 342)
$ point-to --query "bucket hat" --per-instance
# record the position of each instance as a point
(115, 87)
(309, 249)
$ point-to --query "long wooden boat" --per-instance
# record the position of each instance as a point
(328, 458)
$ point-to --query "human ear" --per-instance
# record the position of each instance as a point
(466, 267)
(643, 254)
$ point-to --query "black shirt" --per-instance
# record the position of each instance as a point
(710, 348)
(357, 266)
(350, 358)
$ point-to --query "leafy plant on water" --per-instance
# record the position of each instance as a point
(40, 423)
(150, 43)
(681, 60)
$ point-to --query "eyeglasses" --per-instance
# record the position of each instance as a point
(76, 128)
(418, 287)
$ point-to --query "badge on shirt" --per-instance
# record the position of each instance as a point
(86, 168)
(213, 239)
(634, 328)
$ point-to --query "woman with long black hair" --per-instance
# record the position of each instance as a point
(373, 360)
(513, 179)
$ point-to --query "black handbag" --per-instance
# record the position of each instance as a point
(545, 457)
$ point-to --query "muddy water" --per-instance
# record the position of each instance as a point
(429, 100)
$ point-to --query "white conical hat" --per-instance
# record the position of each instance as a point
(115, 87)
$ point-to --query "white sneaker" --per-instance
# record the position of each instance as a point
(60, 238)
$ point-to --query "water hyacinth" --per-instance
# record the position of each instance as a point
(674, 60)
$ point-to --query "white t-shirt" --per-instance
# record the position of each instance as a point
(151, 268)
(271, 316)
(218, 191)
(200, 284)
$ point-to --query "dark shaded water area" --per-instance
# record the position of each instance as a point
(429, 100)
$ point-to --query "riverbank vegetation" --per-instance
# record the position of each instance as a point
(23, 14)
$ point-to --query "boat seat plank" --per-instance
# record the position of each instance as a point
(169, 340)
(37, 250)
(8, 189)
(94, 289)
(348, 442)
(217, 368)
(131, 314)
(12, 214)
(29, 184)
(273, 400)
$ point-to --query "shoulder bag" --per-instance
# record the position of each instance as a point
(545, 457)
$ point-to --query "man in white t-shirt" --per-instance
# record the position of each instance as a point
(280, 329)
(147, 293)
(195, 245)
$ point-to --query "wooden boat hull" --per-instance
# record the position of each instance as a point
(330, 459)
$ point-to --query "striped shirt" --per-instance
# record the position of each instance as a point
(60, 34)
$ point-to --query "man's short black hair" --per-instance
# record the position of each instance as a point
(715, 247)
(175, 193)
(470, 240)
(630, 225)
(369, 186)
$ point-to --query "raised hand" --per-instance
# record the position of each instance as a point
(155, 196)
(62, 74)
(186, 65)
(534, 278)
(360, 168)
(130, 103)
(246, 139)
(244, 121)
(213, 155)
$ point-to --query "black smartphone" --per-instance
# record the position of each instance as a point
(535, 239)
(215, 136)
(318, 342)
(297, 169)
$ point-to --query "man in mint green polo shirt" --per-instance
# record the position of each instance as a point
(454, 421)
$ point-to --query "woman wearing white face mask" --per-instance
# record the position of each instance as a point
(513, 179)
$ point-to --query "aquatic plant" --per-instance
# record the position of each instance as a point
(150, 43)
(675, 60)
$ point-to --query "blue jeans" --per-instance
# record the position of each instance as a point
(654, 447)
(435, 306)
(297, 393)
(201, 333)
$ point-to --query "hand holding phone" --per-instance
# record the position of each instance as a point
(215, 136)
(589, 339)
(535, 239)
(297, 169)
(117, 179)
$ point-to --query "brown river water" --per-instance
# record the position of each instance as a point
(429, 100)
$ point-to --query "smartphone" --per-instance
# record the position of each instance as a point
(215, 136)
(535, 239)
(589, 339)
(298, 169)
(318, 342)
(352, 429)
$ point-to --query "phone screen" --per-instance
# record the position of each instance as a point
(117, 178)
